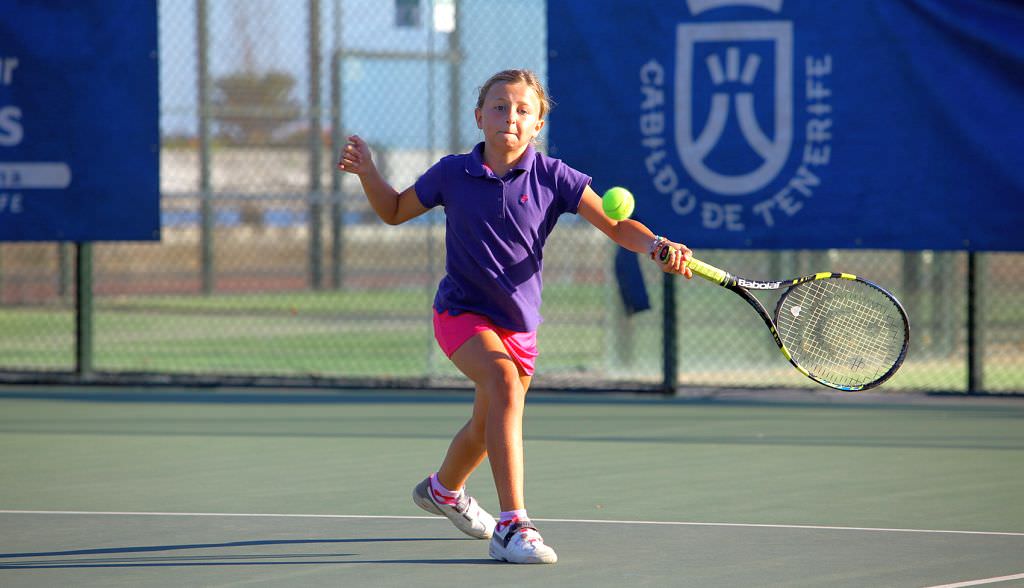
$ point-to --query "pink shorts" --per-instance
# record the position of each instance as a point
(452, 331)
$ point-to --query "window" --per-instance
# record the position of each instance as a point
(407, 13)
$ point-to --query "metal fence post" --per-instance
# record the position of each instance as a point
(337, 140)
(670, 342)
(316, 148)
(455, 92)
(975, 347)
(83, 310)
(205, 206)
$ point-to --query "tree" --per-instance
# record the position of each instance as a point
(249, 107)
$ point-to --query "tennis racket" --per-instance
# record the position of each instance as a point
(837, 329)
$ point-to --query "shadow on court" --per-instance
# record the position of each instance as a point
(71, 558)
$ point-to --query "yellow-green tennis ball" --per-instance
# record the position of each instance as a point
(617, 203)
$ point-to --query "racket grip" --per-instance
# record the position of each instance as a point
(698, 267)
(707, 271)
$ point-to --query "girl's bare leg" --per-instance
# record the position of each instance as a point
(495, 429)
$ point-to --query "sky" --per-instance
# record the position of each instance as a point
(402, 103)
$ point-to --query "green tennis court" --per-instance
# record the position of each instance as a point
(162, 487)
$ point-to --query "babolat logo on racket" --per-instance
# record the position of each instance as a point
(753, 119)
(758, 285)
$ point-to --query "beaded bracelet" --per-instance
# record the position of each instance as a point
(655, 245)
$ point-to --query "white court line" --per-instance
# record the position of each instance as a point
(582, 521)
(982, 581)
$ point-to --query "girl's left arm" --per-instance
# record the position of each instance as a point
(631, 234)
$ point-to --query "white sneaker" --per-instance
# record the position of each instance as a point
(521, 543)
(465, 514)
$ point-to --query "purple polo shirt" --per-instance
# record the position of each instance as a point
(495, 230)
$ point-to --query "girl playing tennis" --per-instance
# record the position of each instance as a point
(501, 201)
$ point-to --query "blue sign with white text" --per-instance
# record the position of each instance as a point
(79, 121)
(782, 124)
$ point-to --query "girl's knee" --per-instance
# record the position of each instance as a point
(505, 387)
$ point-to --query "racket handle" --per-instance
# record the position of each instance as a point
(698, 267)
(707, 271)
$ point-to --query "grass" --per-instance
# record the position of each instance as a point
(386, 332)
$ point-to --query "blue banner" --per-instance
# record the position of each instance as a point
(799, 123)
(79, 121)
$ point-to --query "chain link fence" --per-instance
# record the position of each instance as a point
(271, 264)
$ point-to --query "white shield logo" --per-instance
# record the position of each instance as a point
(693, 149)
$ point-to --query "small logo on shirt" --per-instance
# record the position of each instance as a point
(524, 198)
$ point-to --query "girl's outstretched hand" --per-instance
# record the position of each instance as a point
(355, 157)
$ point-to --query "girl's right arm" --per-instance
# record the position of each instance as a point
(633, 235)
(392, 207)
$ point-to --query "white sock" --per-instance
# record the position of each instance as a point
(507, 517)
(442, 494)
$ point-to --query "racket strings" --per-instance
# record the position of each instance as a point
(842, 331)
